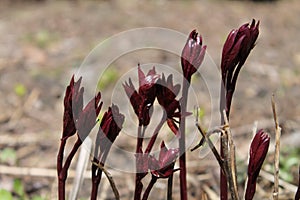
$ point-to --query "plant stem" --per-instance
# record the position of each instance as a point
(96, 181)
(140, 138)
(155, 134)
(170, 187)
(139, 175)
(277, 152)
(97, 174)
(182, 158)
(61, 189)
(223, 179)
(63, 174)
(227, 164)
(98, 168)
(138, 187)
(112, 184)
(60, 155)
(149, 188)
(71, 156)
(211, 146)
(61, 180)
(101, 169)
(231, 164)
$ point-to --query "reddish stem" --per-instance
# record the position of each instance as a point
(138, 186)
(61, 189)
(60, 155)
(95, 184)
(182, 158)
(155, 134)
(250, 189)
(140, 138)
(63, 174)
(139, 175)
(170, 187)
(97, 172)
(223, 178)
(149, 188)
(61, 181)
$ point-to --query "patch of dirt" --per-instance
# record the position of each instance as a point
(43, 44)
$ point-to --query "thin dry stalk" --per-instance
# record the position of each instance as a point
(277, 151)
(110, 179)
(270, 177)
(209, 142)
(227, 165)
(40, 172)
(33, 172)
(210, 193)
(104, 191)
(231, 160)
(204, 196)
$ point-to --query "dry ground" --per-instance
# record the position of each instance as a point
(42, 44)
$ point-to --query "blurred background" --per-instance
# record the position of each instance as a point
(42, 43)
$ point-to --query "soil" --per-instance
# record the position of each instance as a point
(43, 43)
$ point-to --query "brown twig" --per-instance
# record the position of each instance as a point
(270, 177)
(203, 196)
(277, 151)
(223, 179)
(225, 164)
(232, 179)
(210, 193)
(228, 162)
(110, 179)
(42, 172)
(209, 142)
(208, 134)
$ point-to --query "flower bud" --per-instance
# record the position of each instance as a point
(258, 151)
(164, 166)
(88, 116)
(192, 55)
(110, 127)
(142, 100)
(236, 49)
(166, 96)
(73, 104)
